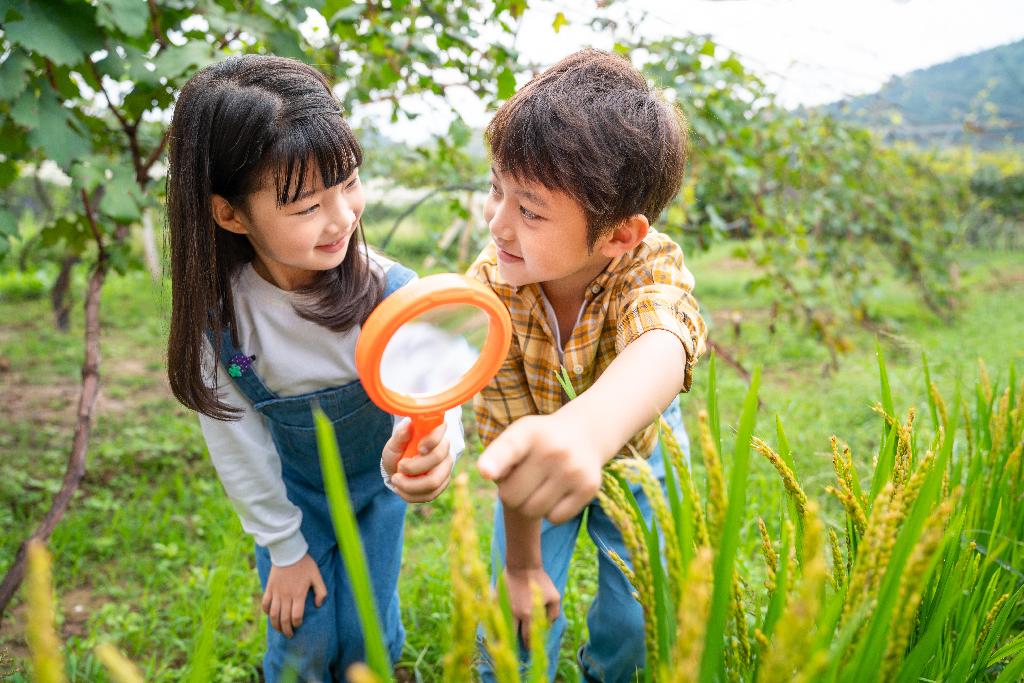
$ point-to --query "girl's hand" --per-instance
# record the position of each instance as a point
(521, 596)
(285, 598)
(422, 477)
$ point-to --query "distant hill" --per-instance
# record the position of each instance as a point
(977, 99)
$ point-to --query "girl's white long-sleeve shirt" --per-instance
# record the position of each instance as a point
(293, 356)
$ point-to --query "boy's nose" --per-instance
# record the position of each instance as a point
(500, 226)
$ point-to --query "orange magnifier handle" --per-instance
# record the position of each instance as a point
(405, 304)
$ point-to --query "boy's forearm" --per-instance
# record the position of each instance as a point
(522, 540)
(634, 389)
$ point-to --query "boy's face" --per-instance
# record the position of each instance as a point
(541, 234)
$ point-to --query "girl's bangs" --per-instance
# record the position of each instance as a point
(319, 143)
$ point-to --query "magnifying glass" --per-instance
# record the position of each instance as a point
(417, 352)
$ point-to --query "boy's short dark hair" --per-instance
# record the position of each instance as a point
(592, 127)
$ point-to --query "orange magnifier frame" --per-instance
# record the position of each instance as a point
(405, 304)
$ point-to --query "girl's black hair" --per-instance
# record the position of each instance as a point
(237, 125)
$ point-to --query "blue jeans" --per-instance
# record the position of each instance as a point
(615, 649)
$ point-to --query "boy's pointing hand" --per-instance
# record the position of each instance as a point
(545, 466)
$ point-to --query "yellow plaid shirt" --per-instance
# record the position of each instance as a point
(646, 289)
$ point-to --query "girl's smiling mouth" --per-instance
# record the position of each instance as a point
(334, 246)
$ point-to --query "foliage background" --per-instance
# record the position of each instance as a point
(810, 237)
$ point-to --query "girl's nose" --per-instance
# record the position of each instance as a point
(342, 212)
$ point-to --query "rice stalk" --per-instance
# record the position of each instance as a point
(692, 621)
(476, 601)
(985, 382)
(852, 506)
(838, 563)
(689, 488)
(638, 471)
(912, 586)
(792, 486)
(360, 673)
(626, 518)
(791, 652)
(990, 617)
(717, 501)
(771, 558)
(538, 672)
(40, 632)
(119, 668)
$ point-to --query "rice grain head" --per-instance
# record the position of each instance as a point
(792, 486)
(40, 631)
(717, 502)
(119, 667)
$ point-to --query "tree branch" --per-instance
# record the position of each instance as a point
(154, 24)
(131, 129)
(83, 425)
(93, 226)
(416, 204)
(153, 156)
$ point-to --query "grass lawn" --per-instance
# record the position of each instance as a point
(134, 554)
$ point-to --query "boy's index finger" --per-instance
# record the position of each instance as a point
(504, 453)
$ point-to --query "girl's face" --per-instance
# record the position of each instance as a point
(294, 241)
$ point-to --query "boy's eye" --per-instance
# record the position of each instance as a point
(527, 214)
(494, 189)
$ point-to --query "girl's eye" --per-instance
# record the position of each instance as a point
(306, 212)
(527, 214)
(352, 183)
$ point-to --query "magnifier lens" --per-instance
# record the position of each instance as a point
(432, 352)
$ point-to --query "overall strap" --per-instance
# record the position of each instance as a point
(239, 367)
(397, 276)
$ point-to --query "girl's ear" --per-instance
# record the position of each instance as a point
(226, 216)
(625, 236)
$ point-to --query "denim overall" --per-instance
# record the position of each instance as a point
(615, 620)
(330, 637)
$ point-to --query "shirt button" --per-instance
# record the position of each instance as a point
(578, 369)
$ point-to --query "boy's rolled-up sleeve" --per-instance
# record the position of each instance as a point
(656, 294)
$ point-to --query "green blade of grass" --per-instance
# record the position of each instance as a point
(711, 665)
(887, 454)
(351, 545)
(665, 628)
(202, 660)
(932, 408)
(684, 530)
(872, 646)
(714, 421)
(777, 602)
(1013, 672)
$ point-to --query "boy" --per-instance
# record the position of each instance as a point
(584, 157)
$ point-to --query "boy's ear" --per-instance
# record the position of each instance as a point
(625, 236)
(227, 216)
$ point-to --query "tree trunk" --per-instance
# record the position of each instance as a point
(76, 462)
(149, 246)
(59, 295)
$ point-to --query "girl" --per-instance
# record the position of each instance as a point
(270, 282)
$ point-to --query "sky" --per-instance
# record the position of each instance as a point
(808, 51)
